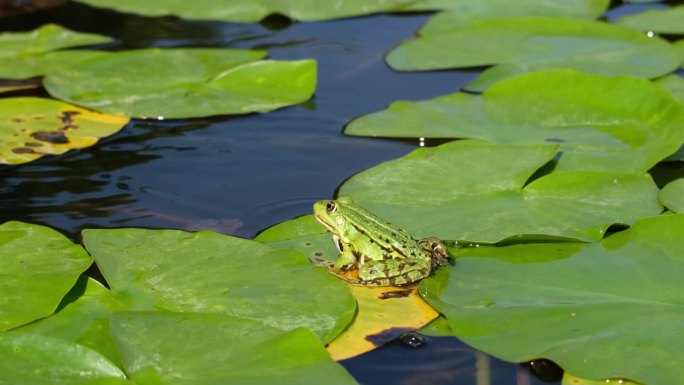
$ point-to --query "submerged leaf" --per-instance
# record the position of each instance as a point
(29, 359)
(612, 309)
(28, 54)
(215, 273)
(535, 43)
(184, 83)
(668, 21)
(187, 348)
(470, 190)
(33, 127)
(672, 195)
(38, 267)
(603, 123)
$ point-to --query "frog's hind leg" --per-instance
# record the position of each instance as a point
(394, 272)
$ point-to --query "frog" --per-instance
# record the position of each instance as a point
(384, 254)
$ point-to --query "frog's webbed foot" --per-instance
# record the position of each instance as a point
(440, 252)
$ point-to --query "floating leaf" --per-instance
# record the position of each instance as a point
(470, 190)
(569, 379)
(679, 47)
(34, 359)
(303, 234)
(536, 43)
(672, 195)
(185, 348)
(83, 318)
(674, 84)
(38, 266)
(255, 10)
(620, 124)
(612, 309)
(34, 127)
(668, 21)
(183, 83)
(28, 54)
(215, 273)
(383, 315)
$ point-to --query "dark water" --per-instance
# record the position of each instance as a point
(239, 175)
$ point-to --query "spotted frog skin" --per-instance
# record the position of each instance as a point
(384, 254)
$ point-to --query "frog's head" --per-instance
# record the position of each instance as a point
(330, 213)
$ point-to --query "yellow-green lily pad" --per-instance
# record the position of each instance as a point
(33, 127)
(674, 84)
(471, 190)
(215, 273)
(255, 10)
(603, 123)
(28, 54)
(672, 195)
(606, 310)
(38, 267)
(668, 21)
(184, 83)
(569, 379)
(519, 45)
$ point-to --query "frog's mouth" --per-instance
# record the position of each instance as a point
(321, 221)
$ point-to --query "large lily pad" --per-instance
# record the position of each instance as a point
(38, 267)
(470, 190)
(669, 20)
(255, 10)
(601, 122)
(183, 83)
(186, 348)
(34, 127)
(28, 54)
(674, 84)
(535, 43)
(211, 272)
(672, 195)
(612, 309)
(83, 317)
(29, 359)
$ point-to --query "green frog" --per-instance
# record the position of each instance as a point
(384, 254)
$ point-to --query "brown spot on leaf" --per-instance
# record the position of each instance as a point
(17, 120)
(386, 335)
(395, 294)
(33, 144)
(23, 150)
(67, 116)
(54, 137)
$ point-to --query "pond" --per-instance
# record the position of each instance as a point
(240, 175)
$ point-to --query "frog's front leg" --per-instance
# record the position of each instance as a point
(346, 261)
(394, 272)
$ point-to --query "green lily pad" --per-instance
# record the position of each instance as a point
(674, 84)
(28, 54)
(679, 47)
(303, 234)
(672, 195)
(38, 266)
(535, 43)
(83, 318)
(612, 309)
(669, 21)
(33, 127)
(29, 359)
(255, 10)
(184, 83)
(215, 273)
(569, 379)
(470, 190)
(604, 123)
(185, 348)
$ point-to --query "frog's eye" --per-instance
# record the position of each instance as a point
(330, 207)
